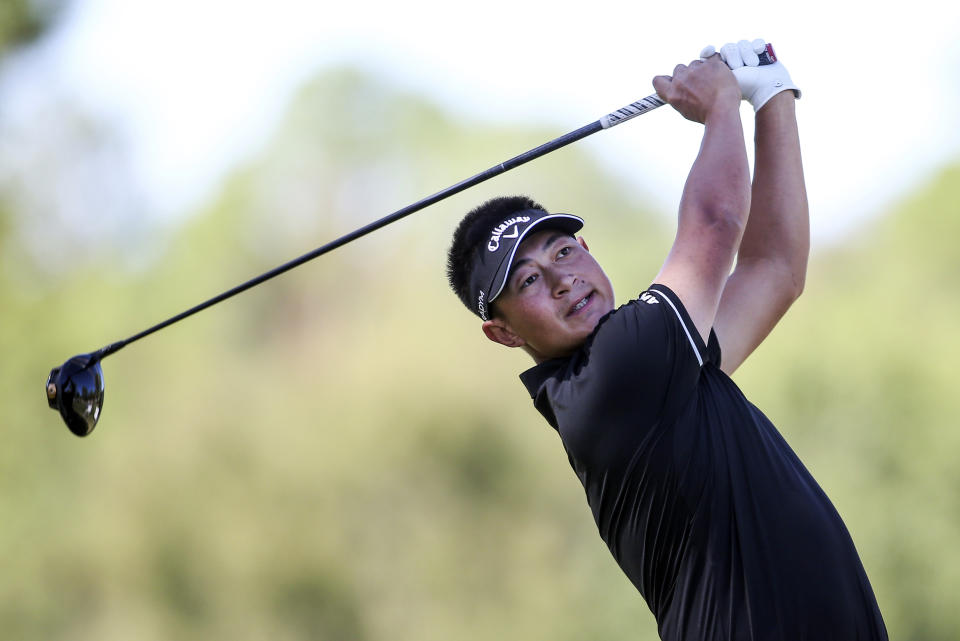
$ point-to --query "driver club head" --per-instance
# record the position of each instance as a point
(75, 389)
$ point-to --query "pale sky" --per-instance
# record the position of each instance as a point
(200, 83)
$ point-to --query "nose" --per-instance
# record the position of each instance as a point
(563, 282)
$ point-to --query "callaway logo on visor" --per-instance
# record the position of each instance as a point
(498, 231)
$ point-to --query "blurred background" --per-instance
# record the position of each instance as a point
(339, 454)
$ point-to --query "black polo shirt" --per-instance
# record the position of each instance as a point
(702, 503)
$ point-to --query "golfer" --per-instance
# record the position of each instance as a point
(700, 500)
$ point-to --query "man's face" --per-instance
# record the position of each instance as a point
(553, 298)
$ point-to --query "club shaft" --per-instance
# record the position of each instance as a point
(615, 118)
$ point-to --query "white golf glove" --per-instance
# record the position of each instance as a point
(758, 83)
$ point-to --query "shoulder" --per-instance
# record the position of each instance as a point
(655, 322)
(639, 354)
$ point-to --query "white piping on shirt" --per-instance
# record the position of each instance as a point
(682, 324)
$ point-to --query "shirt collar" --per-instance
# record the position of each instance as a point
(534, 378)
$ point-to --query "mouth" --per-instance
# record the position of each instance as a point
(581, 305)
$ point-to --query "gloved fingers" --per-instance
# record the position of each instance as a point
(759, 46)
(707, 51)
(747, 54)
(731, 55)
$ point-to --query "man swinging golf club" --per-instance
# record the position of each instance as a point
(700, 500)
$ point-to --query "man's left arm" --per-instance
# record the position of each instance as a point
(772, 258)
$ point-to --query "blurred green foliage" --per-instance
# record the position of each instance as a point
(22, 21)
(340, 454)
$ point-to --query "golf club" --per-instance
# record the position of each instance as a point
(76, 388)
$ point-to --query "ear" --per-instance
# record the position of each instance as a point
(499, 332)
(583, 243)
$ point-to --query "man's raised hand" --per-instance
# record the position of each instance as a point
(698, 89)
(758, 83)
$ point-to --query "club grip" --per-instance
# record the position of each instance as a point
(767, 56)
(632, 110)
(651, 102)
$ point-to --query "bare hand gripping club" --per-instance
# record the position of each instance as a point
(76, 388)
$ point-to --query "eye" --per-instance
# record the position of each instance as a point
(564, 251)
(529, 280)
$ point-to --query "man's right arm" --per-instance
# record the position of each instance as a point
(716, 197)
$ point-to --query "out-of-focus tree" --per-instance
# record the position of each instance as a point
(66, 177)
(23, 21)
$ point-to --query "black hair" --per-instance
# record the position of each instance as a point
(473, 229)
